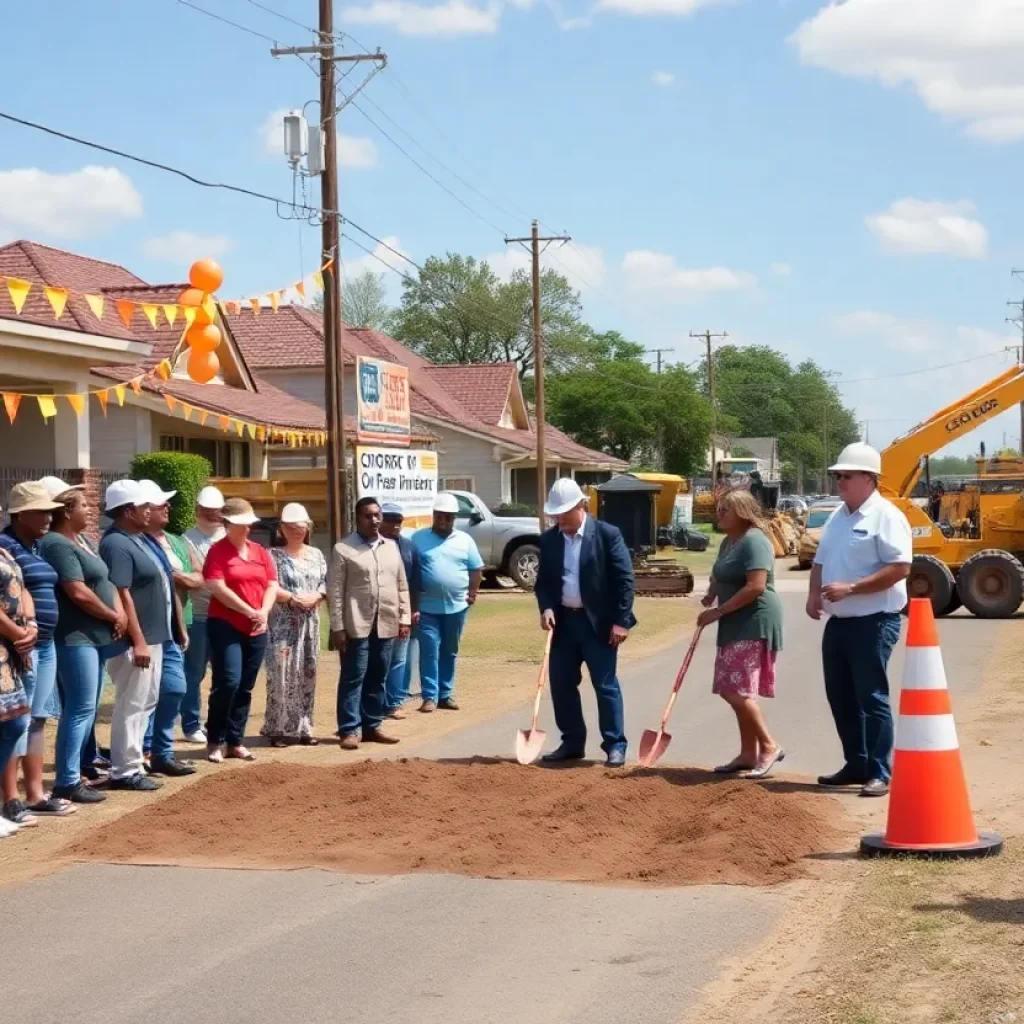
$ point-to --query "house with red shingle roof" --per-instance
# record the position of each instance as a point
(485, 436)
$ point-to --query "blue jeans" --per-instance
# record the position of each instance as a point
(364, 670)
(39, 682)
(439, 637)
(81, 678)
(236, 660)
(855, 654)
(197, 658)
(576, 644)
(159, 739)
(11, 733)
(396, 688)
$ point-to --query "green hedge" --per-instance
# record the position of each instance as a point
(176, 471)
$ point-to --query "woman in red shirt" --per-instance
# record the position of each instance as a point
(243, 587)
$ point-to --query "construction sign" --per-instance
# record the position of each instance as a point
(383, 414)
(407, 478)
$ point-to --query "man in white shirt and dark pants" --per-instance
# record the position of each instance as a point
(859, 581)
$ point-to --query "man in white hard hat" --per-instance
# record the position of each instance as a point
(859, 581)
(450, 573)
(208, 530)
(585, 593)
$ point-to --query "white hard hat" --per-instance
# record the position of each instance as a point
(293, 512)
(858, 458)
(210, 497)
(154, 493)
(124, 492)
(446, 503)
(54, 486)
(565, 494)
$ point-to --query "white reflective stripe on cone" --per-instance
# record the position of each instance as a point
(926, 732)
(923, 669)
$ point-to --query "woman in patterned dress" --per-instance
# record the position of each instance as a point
(17, 638)
(749, 617)
(294, 647)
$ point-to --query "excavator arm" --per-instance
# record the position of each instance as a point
(903, 460)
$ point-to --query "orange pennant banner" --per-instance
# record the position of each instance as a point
(171, 402)
(275, 300)
(171, 312)
(77, 402)
(151, 313)
(301, 288)
(319, 279)
(125, 310)
(190, 316)
(11, 403)
(164, 369)
(58, 299)
(186, 410)
(224, 421)
(119, 391)
(18, 291)
(255, 303)
(103, 397)
(136, 386)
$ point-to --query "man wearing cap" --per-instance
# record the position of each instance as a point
(368, 603)
(396, 689)
(859, 581)
(146, 596)
(208, 530)
(585, 593)
(450, 573)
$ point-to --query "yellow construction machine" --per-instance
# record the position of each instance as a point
(979, 564)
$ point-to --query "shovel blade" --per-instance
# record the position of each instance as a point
(652, 745)
(529, 744)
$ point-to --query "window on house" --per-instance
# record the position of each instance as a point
(457, 483)
(228, 458)
(171, 443)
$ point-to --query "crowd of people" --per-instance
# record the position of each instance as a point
(156, 611)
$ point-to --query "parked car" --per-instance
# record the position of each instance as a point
(508, 544)
(792, 503)
(817, 516)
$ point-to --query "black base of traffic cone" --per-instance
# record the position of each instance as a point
(989, 844)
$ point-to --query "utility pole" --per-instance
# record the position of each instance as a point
(334, 353)
(708, 337)
(656, 352)
(535, 240)
(827, 374)
(1018, 321)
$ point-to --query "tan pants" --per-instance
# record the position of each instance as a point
(137, 691)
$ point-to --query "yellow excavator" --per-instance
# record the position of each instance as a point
(980, 564)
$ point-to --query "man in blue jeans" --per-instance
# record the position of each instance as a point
(450, 572)
(396, 689)
(859, 581)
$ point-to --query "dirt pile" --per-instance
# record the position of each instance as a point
(482, 818)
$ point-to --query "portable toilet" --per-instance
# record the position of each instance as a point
(630, 504)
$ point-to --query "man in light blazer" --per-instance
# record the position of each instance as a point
(585, 593)
(368, 603)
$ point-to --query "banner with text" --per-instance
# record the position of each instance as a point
(408, 478)
(383, 392)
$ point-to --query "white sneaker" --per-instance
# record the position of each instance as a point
(196, 737)
(8, 828)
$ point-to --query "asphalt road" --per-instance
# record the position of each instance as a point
(173, 946)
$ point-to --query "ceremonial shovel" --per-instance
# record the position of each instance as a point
(654, 744)
(530, 742)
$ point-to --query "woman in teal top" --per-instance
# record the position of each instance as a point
(749, 617)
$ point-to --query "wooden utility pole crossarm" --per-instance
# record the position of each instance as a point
(535, 240)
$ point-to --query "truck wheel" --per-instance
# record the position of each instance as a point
(929, 577)
(523, 564)
(991, 584)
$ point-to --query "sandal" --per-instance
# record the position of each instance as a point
(309, 741)
(18, 814)
(734, 766)
(240, 754)
(215, 754)
(53, 806)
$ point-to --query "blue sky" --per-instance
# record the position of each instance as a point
(839, 181)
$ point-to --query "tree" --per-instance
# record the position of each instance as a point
(363, 302)
(457, 310)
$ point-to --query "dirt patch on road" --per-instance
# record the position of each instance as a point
(483, 818)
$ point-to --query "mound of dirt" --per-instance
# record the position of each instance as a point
(484, 818)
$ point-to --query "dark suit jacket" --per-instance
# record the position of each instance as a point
(606, 576)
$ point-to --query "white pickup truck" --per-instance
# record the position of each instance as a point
(508, 544)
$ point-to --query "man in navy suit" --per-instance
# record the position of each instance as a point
(585, 593)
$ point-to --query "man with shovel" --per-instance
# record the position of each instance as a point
(585, 593)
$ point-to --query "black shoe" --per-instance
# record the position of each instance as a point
(79, 794)
(616, 759)
(139, 783)
(92, 773)
(171, 767)
(875, 787)
(844, 777)
(562, 753)
(447, 704)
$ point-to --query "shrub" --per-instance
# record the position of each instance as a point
(514, 509)
(176, 471)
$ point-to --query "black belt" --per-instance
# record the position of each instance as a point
(573, 611)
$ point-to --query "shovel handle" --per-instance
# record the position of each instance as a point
(541, 675)
(679, 678)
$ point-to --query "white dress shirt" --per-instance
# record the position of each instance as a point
(571, 597)
(857, 544)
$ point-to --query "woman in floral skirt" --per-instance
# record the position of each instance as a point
(294, 644)
(749, 617)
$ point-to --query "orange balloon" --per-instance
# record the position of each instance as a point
(203, 337)
(205, 275)
(191, 297)
(202, 366)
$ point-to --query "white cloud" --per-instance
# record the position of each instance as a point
(656, 274)
(354, 152)
(904, 334)
(449, 18)
(583, 265)
(663, 78)
(916, 225)
(184, 247)
(782, 269)
(679, 8)
(962, 57)
(74, 205)
(382, 258)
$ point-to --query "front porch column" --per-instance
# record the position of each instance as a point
(71, 433)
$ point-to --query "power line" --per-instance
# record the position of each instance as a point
(285, 17)
(226, 21)
(926, 369)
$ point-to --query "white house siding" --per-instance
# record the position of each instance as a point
(119, 436)
(461, 456)
(28, 444)
(308, 385)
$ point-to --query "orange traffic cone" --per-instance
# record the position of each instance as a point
(929, 809)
